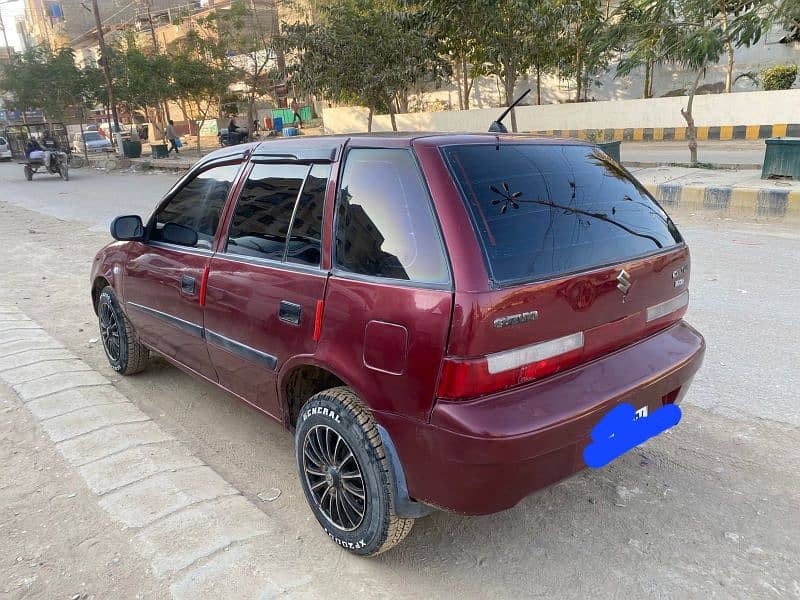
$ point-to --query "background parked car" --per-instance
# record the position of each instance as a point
(92, 142)
(5, 149)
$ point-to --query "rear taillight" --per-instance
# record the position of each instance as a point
(467, 378)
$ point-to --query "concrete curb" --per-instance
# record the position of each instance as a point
(716, 166)
(181, 515)
(733, 201)
(658, 134)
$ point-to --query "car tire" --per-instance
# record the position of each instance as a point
(125, 353)
(353, 501)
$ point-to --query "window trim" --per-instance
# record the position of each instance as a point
(223, 251)
(410, 283)
(179, 185)
(509, 283)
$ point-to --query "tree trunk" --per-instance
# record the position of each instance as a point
(369, 120)
(459, 79)
(723, 12)
(578, 64)
(467, 82)
(538, 86)
(391, 116)
(509, 83)
(729, 70)
(687, 115)
(251, 100)
(648, 79)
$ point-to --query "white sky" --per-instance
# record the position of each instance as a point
(11, 11)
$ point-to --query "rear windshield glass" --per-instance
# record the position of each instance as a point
(546, 210)
(92, 137)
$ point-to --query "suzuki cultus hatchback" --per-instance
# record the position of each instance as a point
(441, 320)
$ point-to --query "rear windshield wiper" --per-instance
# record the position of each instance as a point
(514, 200)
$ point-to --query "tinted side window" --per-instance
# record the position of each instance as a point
(260, 222)
(198, 204)
(385, 222)
(305, 241)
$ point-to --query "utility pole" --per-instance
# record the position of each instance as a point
(152, 28)
(3, 27)
(104, 58)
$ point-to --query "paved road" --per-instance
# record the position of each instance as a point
(706, 510)
(739, 152)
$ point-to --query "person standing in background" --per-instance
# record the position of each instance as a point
(296, 118)
(171, 137)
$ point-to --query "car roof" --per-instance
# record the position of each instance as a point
(327, 147)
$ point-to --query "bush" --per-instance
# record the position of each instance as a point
(779, 77)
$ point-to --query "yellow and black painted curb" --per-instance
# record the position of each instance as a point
(747, 202)
(657, 134)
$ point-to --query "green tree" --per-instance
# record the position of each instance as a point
(142, 82)
(242, 41)
(361, 51)
(690, 37)
(200, 83)
(46, 80)
(584, 23)
(457, 27)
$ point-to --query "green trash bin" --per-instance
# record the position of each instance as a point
(131, 149)
(782, 158)
(159, 150)
(612, 149)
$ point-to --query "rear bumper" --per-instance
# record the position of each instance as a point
(485, 456)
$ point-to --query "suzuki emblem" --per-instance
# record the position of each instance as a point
(624, 282)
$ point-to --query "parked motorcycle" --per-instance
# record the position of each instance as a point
(231, 138)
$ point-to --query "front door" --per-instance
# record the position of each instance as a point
(163, 278)
(265, 283)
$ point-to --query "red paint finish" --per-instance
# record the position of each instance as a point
(153, 279)
(390, 341)
(318, 320)
(203, 286)
(243, 304)
(385, 347)
(350, 305)
(485, 456)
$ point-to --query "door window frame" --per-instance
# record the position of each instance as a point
(239, 159)
(225, 223)
(409, 283)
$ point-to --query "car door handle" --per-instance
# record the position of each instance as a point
(290, 312)
(187, 284)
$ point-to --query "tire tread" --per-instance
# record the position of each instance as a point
(397, 528)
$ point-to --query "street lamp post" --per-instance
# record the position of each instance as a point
(3, 27)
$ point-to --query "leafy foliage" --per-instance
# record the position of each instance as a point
(779, 77)
(368, 52)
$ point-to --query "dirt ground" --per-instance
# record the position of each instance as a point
(709, 509)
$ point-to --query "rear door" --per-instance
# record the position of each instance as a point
(162, 280)
(389, 299)
(580, 261)
(266, 282)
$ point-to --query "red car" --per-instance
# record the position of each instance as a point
(440, 319)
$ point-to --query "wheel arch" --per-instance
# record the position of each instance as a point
(98, 283)
(300, 378)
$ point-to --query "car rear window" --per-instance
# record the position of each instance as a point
(92, 137)
(546, 210)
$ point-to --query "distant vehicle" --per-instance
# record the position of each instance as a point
(5, 149)
(92, 141)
